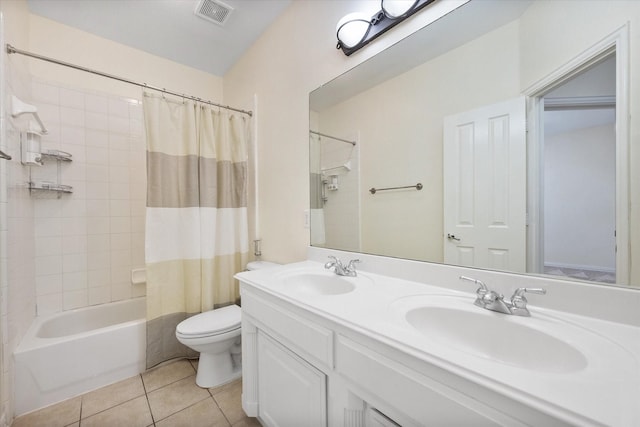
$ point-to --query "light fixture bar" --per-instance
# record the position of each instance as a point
(380, 24)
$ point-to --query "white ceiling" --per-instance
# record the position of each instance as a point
(169, 28)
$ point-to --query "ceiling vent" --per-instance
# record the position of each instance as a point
(214, 11)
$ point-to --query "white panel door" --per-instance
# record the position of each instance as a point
(291, 392)
(485, 187)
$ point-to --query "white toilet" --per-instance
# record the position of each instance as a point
(215, 335)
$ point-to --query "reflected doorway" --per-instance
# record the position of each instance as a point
(577, 143)
(579, 193)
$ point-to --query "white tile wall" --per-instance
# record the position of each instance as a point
(87, 242)
(341, 211)
(78, 250)
(17, 233)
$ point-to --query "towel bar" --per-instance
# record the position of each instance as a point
(418, 187)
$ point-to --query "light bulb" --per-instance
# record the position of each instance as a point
(352, 29)
(396, 8)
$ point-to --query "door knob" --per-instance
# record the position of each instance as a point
(452, 237)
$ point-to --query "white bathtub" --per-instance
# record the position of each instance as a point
(70, 353)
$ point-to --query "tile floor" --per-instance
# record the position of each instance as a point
(164, 396)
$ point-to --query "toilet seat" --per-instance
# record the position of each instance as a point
(210, 323)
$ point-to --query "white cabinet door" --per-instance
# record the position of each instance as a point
(485, 187)
(291, 392)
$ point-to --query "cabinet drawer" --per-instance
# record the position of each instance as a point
(296, 332)
(423, 399)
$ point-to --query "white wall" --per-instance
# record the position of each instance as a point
(551, 40)
(409, 151)
(17, 279)
(579, 199)
(55, 40)
(293, 57)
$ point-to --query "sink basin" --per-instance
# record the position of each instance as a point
(522, 342)
(320, 283)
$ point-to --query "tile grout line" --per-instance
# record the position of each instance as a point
(146, 396)
(81, 402)
(168, 384)
(221, 411)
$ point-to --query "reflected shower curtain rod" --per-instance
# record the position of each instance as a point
(11, 49)
(332, 137)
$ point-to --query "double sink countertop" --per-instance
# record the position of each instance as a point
(579, 369)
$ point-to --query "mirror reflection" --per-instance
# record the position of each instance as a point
(446, 108)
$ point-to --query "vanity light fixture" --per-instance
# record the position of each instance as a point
(355, 30)
(394, 9)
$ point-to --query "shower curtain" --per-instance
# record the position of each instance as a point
(196, 220)
(316, 212)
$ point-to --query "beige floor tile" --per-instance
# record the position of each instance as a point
(111, 395)
(203, 414)
(74, 424)
(233, 385)
(247, 422)
(229, 400)
(175, 397)
(194, 363)
(59, 415)
(134, 413)
(167, 374)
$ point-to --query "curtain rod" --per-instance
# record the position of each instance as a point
(11, 49)
(332, 137)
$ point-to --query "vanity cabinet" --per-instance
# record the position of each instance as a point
(289, 388)
(285, 358)
(301, 368)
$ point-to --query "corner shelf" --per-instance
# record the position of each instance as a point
(49, 186)
(58, 155)
(42, 188)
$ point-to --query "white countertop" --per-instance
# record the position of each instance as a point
(606, 391)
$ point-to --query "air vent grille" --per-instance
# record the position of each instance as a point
(214, 11)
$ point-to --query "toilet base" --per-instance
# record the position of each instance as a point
(216, 369)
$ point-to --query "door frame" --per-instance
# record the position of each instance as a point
(618, 43)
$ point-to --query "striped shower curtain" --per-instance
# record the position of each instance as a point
(196, 221)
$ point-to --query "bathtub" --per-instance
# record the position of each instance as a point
(69, 353)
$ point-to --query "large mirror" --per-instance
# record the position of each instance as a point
(427, 152)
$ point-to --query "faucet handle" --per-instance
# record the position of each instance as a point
(350, 269)
(484, 296)
(518, 299)
(483, 289)
(333, 263)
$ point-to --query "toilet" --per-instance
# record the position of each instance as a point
(215, 334)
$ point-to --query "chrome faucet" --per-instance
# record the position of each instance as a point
(340, 269)
(494, 301)
(519, 302)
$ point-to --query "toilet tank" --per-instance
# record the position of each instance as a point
(257, 265)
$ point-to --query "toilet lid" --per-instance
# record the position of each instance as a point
(211, 322)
